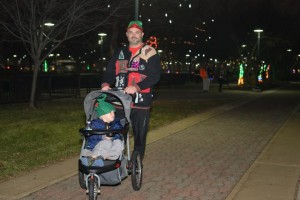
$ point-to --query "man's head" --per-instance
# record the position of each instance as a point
(105, 110)
(135, 33)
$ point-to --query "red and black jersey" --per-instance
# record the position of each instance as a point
(141, 70)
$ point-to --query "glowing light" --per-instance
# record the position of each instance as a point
(241, 75)
(152, 41)
(102, 34)
(49, 24)
(45, 66)
(267, 72)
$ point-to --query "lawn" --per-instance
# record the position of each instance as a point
(30, 139)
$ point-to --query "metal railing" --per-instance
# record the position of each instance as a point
(16, 87)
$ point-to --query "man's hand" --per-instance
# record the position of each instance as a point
(130, 90)
(106, 88)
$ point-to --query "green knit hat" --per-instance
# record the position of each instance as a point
(103, 107)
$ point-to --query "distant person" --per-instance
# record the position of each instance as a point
(205, 77)
(221, 76)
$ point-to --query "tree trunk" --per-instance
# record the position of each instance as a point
(32, 101)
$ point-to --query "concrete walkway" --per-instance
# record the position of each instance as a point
(275, 174)
(272, 175)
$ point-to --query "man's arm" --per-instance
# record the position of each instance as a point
(153, 73)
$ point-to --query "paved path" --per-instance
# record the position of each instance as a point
(206, 159)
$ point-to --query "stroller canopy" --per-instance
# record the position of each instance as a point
(119, 98)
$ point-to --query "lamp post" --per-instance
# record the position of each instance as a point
(258, 31)
(136, 9)
(102, 35)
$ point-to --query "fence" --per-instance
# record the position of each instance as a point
(16, 87)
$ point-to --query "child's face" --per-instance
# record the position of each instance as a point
(109, 117)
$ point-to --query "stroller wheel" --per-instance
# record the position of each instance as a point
(136, 171)
(81, 179)
(93, 188)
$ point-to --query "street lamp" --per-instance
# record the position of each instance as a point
(49, 24)
(258, 31)
(102, 35)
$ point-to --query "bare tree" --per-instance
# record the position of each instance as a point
(26, 20)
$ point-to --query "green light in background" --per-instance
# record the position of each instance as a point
(88, 67)
(45, 66)
(241, 75)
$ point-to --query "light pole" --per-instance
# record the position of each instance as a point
(102, 35)
(258, 31)
(136, 9)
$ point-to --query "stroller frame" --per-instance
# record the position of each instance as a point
(90, 176)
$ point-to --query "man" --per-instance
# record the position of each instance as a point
(135, 69)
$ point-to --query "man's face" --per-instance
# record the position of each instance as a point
(134, 36)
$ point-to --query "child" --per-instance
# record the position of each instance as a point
(108, 147)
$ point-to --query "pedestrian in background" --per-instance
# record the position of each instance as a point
(204, 74)
(221, 76)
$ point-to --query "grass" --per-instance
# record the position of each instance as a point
(30, 139)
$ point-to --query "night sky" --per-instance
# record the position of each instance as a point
(234, 22)
(238, 18)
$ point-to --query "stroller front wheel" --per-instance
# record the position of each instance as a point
(136, 171)
(93, 188)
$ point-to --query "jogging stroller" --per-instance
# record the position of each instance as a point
(111, 172)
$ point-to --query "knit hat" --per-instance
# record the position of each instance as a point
(135, 24)
(103, 107)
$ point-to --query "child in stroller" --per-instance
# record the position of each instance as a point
(109, 148)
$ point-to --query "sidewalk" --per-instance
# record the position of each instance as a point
(275, 173)
(272, 176)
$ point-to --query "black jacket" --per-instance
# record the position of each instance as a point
(141, 70)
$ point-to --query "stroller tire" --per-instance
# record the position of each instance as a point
(81, 179)
(93, 189)
(136, 170)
